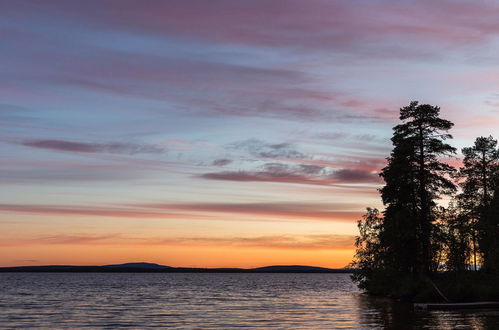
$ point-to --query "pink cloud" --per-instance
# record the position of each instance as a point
(118, 212)
(357, 163)
(208, 211)
(86, 147)
(314, 24)
(295, 242)
(289, 210)
(335, 178)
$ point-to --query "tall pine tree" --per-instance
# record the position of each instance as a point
(415, 175)
(480, 172)
(400, 243)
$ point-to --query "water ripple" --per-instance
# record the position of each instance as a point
(210, 301)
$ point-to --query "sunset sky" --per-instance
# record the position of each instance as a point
(220, 133)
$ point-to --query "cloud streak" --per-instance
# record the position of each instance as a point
(85, 147)
(261, 149)
(221, 162)
(116, 212)
(317, 24)
(286, 242)
(318, 211)
(196, 211)
(301, 174)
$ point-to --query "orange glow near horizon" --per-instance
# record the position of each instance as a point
(46, 235)
(175, 256)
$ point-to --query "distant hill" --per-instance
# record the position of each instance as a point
(145, 267)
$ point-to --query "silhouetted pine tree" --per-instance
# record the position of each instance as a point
(400, 243)
(415, 177)
(480, 172)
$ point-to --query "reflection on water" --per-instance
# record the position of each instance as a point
(298, 301)
(385, 313)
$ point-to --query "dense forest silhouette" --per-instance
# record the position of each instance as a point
(417, 249)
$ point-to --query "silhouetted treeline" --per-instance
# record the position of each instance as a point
(413, 242)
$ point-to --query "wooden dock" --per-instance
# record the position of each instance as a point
(452, 306)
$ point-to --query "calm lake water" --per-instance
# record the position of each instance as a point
(211, 301)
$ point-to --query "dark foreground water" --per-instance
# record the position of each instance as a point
(214, 301)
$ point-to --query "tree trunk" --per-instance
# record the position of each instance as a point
(484, 179)
(424, 217)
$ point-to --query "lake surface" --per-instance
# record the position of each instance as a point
(211, 301)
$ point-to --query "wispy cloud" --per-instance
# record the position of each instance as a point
(317, 25)
(329, 211)
(309, 174)
(221, 162)
(196, 211)
(266, 176)
(99, 211)
(261, 149)
(293, 242)
(86, 147)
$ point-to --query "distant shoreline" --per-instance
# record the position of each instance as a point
(154, 268)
